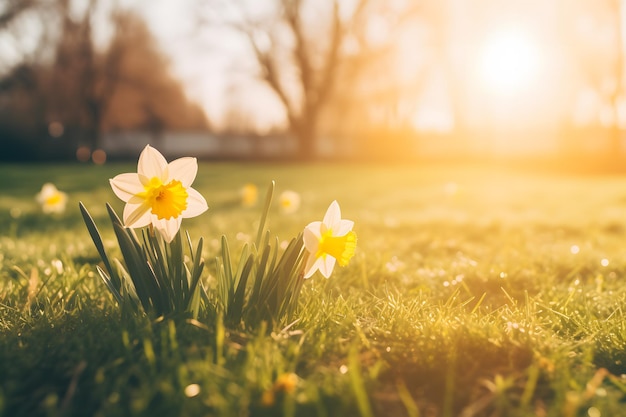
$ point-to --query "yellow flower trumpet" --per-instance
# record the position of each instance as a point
(328, 242)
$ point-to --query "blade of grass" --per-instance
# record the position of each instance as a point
(266, 209)
(97, 240)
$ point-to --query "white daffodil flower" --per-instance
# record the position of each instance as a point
(289, 201)
(159, 193)
(329, 241)
(51, 199)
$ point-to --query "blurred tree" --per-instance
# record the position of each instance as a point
(616, 89)
(11, 9)
(332, 64)
(145, 95)
(296, 45)
(381, 80)
(593, 38)
(51, 103)
(22, 112)
(75, 99)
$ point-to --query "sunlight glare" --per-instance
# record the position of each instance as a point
(509, 61)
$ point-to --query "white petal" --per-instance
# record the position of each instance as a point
(136, 215)
(167, 228)
(48, 190)
(125, 186)
(196, 204)
(332, 216)
(312, 236)
(328, 263)
(344, 227)
(183, 170)
(151, 164)
(312, 265)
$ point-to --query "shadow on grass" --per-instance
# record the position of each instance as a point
(450, 375)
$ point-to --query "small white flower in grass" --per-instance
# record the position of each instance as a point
(289, 201)
(159, 193)
(329, 241)
(51, 199)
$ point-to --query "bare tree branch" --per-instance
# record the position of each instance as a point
(14, 9)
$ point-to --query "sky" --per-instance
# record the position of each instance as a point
(206, 61)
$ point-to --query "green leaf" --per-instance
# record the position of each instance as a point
(138, 268)
(97, 240)
(264, 213)
(110, 285)
(235, 311)
(228, 271)
(196, 270)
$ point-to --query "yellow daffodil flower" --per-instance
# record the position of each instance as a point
(286, 383)
(289, 201)
(249, 195)
(329, 241)
(159, 193)
(51, 199)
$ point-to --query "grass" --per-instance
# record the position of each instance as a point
(475, 292)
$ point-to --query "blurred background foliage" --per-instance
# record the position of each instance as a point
(301, 79)
(68, 92)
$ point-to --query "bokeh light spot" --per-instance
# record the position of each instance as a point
(192, 390)
(56, 129)
(99, 156)
(83, 153)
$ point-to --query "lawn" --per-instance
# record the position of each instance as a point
(475, 291)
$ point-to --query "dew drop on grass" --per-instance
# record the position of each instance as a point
(388, 349)
(343, 369)
(58, 266)
(242, 237)
(192, 390)
(593, 412)
(503, 275)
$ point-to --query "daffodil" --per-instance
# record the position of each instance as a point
(249, 195)
(286, 383)
(159, 193)
(329, 241)
(289, 201)
(51, 199)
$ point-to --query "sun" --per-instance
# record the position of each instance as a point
(508, 61)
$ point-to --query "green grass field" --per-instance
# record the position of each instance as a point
(474, 292)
